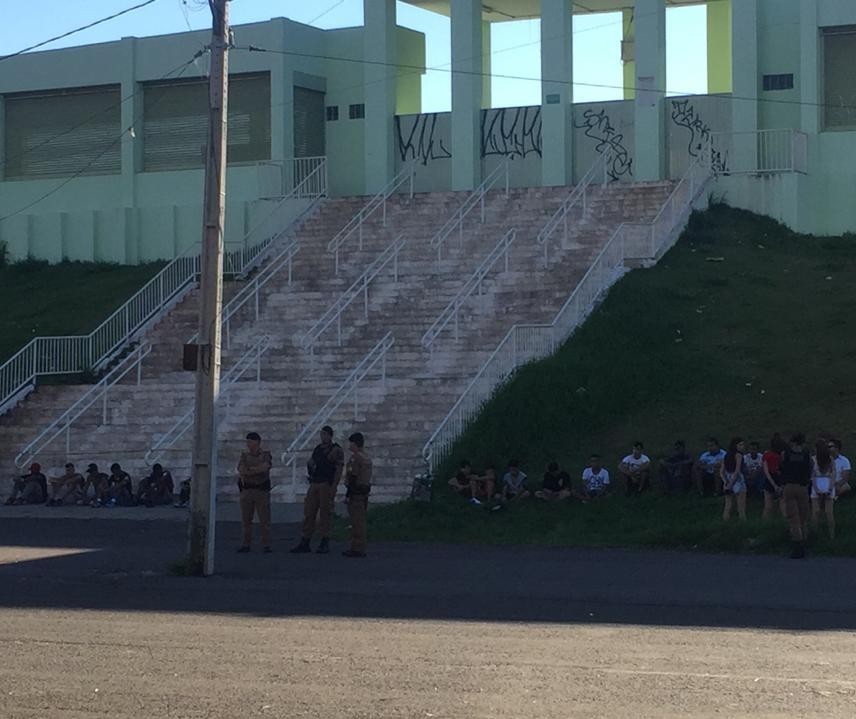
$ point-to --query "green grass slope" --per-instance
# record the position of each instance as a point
(64, 299)
(744, 328)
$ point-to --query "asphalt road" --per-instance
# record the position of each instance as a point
(93, 625)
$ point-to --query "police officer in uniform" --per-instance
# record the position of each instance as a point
(254, 485)
(359, 483)
(325, 472)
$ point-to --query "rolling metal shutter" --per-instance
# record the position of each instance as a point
(309, 123)
(175, 122)
(60, 133)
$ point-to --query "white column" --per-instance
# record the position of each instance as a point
(131, 116)
(380, 76)
(466, 93)
(744, 104)
(557, 92)
(809, 77)
(649, 127)
(281, 95)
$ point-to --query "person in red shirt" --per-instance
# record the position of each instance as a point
(772, 481)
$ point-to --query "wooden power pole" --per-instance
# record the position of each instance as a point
(204, 473)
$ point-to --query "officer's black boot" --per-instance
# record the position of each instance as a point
(797, 550)
(324, 547)
(302, 548)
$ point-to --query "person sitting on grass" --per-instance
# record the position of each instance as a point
(68, 487)
(514, 483)
(842, 468)
(636, 469)
(96, 486)
(157, 488)
(733, 480)
(595, 480)
(707, 475)
(753, 469)
(31, 488)
(823, 482)
(462, 480)
(483, 486)
(556, 485)
(120, 488)
(183, 494)
(676, 470)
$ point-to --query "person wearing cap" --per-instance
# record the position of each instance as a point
(324, 474)
(67, 486)
(359, 483)
(254, 486)
(95, 486)
(30, 488)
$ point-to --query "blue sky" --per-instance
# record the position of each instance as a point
(515, 46)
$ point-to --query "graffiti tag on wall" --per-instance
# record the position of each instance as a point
(511, 132)
(684, 115)
(598, 127)
(420, 139)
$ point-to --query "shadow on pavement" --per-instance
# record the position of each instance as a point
(123, 565)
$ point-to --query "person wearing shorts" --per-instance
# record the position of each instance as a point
(733, 481)
(823, 478)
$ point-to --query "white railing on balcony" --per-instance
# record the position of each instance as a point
(378, 202)
(597, 174)
(475, 199)
(250, 360)
(280, 178)
(525, 343)
(472, 286)
(76, 354)
(762, 152)
(349, 387)
(360, 288)
(97, 394)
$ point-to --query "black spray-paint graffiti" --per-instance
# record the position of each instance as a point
(420, 140)
(598, 126)
(685, 115)
(511, 132)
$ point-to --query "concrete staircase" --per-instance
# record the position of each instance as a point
(396, 416)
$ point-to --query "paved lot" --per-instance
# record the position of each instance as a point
(92, 625)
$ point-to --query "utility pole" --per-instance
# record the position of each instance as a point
(204, 474)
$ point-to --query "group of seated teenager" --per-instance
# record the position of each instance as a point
(96, 488)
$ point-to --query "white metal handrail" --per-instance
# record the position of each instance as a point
(471, 286)
(100, 391)
(75, 354)
(350, 385)
(360, 287)
(355, 224)
(252, 289)
(292, 174)
(476, 198)
(761, 152)
(250, 359)
(599, 171)
(526, 343)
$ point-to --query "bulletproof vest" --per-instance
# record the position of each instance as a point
(796, 467)
(324, 468)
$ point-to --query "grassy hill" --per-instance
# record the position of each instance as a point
(64, 299)
(744, 328)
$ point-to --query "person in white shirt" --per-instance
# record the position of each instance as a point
(636, 469)
(823, 476)
(707, 467)
(514, 483)
(753, 469)
(595, 480)
(842, 468)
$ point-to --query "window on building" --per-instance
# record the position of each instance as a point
(839, 80)
(332, 113)
(175, 122)
(357, 112)
(60, 133)
(778, 82)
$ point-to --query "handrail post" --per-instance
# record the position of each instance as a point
(507, 167)
(104, 406)
(481, 201)
(258, 366)
(412, 178)
(356, 399)
(365, 298)
(256, 295)
(139, 369)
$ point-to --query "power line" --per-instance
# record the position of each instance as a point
(326, 12)
(79, 29)
(106, 149)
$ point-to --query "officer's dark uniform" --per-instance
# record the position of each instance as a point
(325, 467)
(359, 481)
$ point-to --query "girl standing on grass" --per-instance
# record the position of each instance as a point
(733, 481)
(772, 479)
(823, 486)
